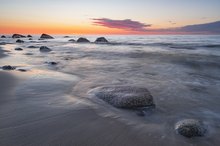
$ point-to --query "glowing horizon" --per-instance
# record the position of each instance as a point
(112, 17)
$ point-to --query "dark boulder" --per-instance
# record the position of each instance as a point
(101, 40)
(191, 128)
(19, 41)
(46, 36)
(3, 36)
(45, 49)
(18, 49)
(29, 36)
(72, 40)
(18, 36)
(124, 96)
(83, 40)
(8, 67)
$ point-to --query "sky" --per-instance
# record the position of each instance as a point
(103, 16)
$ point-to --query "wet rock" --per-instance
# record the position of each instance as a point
(33, 47)
(101, 40)
(191, 128)
(71, 40)
(52, 63)
(45, 49)
(22, 70)
(124, 96)
(46, 36)
(66, 37)
(18, 49)
(3, 36)
(18, 36)
(19, 41)
(83, 40)
(28, 54)
(29, 36)
(30, 39)
(8, 67)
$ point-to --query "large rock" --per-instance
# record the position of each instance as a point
(29, 36)
(45, 49)
(101, 40)
(83, 40)
(8, 67)
(19, 41)
(191, 128)
(46, 36)
(18, 36)
(3, 36)
(124, 96)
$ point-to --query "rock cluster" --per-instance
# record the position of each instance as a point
(8, 67)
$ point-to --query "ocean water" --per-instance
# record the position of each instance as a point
(182, 72)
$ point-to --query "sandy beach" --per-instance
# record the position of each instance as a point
(44, 103)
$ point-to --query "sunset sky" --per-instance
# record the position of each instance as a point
(103, 16)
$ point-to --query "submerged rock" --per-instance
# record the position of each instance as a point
(45, 49)
(66, 36)
(124, 96)
(8, 67)
(46, 36)
(83, 40)
(71, 40)
(190, 128)
(52, 63)
(18, 49)
(3, 36)
(29, 36)
(101, 40)
(19, 41)
(18, 36)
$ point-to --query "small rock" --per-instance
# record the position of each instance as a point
(46, 36)
(83, 40)
(30, 39)
(8, 67)
(3, 36)
(101, 40)
(71, 40)
(66, 37)
(18, 36)
(33, 47)
(124, 96)
(190, 128)
(22, 70)
(45, 49)
(52, 63)
(29, 36)
(18, 49)
(19, 41)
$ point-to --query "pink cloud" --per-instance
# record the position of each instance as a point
(126, 24)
